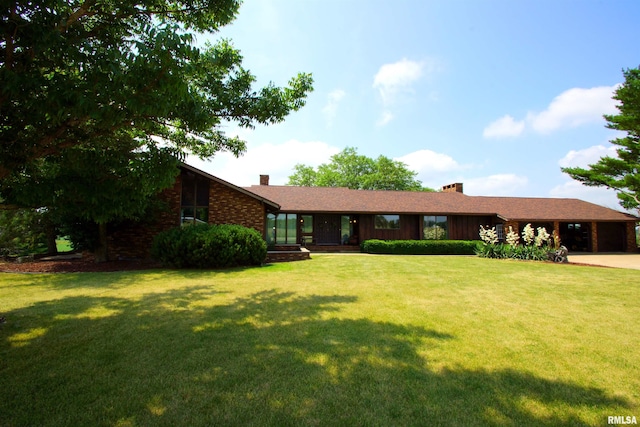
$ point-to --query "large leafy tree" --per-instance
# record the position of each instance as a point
(99, 98)
(621, 173)
(76, 71)
(352, 170)
(87, 187)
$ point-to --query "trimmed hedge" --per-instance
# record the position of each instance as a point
(419, 247)
(209, 246)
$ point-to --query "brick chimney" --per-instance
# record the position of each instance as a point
(264, 179)
(452, 188)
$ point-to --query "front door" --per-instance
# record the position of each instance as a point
(327, 229)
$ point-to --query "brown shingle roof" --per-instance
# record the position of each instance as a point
(344, 200)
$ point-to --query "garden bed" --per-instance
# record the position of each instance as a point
(75, 265)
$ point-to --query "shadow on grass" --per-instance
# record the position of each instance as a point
(274, 358)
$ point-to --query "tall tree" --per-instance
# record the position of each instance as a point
(73, 72)
(621, 173)
(352, 170)
(95, 184)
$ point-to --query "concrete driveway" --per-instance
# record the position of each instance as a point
(617, 260)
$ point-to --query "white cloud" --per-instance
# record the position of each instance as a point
(599, 195)
(573, 108)
(331, 108)
(433, 169)
(275, 160)
(504, 127)
(586, 157)
(496, 185)
(398, 77)
(395, 81)
(385, 118)
(429, 161)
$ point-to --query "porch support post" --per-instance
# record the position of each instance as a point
(632, 245)
(594, 237)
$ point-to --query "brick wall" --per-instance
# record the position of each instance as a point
(594, 237)
(133, 239)
(631, 245)
(226, 206)
(288, 256)
(515, 225)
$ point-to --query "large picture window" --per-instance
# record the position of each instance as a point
(194, 202)
(387, 222)
(282, 229)
(435, 227)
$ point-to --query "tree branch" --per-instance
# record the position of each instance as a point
(83, 10)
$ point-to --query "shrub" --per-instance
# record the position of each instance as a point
(22, 232)
(419, 247)
(209, 246)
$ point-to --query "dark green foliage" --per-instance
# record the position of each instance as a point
(22, 232)
(73, 72)
(209, 246)
(352, 170)
(419, 247)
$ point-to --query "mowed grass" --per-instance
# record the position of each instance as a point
(64, 245)
(337, 340)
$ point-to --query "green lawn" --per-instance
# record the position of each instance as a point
(337, 340)
(64, 245)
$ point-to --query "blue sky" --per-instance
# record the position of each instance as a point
(495, 94)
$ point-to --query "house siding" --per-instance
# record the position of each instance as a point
(614, 237)
(466, 227)
(410, 229)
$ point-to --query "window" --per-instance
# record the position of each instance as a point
(306, 224)
(194, 202)
(306, 229)
(346, 229)
(387, 222)
(282, 229)
(435, 227)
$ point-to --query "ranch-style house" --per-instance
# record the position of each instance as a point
(339, 219)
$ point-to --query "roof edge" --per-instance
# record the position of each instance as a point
(230, 185)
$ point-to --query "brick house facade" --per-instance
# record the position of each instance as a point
(341, 217)
(225, 204)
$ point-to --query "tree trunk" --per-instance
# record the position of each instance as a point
(52, 247)
(101, 253)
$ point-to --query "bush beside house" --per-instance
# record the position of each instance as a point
(209, 246)
(419, 247)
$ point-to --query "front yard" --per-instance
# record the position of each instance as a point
(337, 340)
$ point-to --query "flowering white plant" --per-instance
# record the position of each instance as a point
(528, 234)
(512, 237)
(489, 235)
(542, 237)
